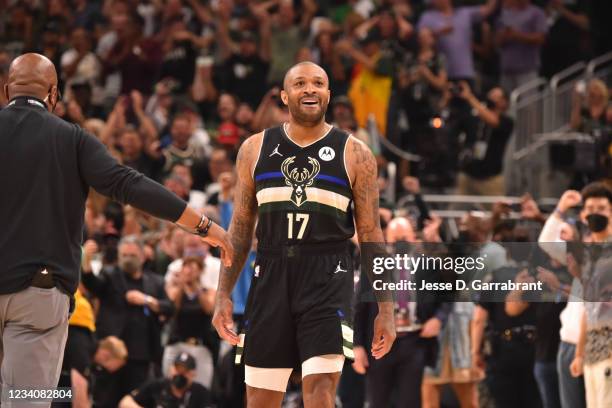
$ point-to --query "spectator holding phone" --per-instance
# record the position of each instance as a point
(191, 329)
(482, 160)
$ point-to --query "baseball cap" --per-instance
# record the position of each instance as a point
(186, 360)
(229, 134)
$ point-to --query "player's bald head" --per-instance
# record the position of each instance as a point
(305, 68)
(31, 75)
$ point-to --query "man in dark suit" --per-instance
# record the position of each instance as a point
(132, 301)
(47, 166)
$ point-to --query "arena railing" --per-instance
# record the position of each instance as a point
(541, 110)
(562, 88)
(527, 107)
(601, 67)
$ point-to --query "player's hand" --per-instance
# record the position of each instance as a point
(218, 237)
(384, 334)
(577, 366)
(223, 322)
(360, 365)
(431, 328)
(569, 199)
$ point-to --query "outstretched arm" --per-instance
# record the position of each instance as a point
(241, 235)
(362, 171)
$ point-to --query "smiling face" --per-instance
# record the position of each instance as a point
(306, 93)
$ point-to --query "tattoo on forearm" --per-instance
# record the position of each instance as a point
(365, 193)
(243, 219)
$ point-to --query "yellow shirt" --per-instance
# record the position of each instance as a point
(83, 315)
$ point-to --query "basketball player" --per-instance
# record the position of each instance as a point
(299, 180)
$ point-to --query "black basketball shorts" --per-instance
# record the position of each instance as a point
(299, 306)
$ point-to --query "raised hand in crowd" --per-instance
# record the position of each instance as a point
(569, 199)
(530, 209)
(90, 248)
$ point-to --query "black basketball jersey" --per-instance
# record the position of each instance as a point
(303, 193)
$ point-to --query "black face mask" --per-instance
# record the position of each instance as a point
(179, 381)
(490, 104)
(597, 222)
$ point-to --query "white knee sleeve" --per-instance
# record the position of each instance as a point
(274, 379)
(329, 363)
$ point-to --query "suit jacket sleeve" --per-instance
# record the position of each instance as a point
(101, 171)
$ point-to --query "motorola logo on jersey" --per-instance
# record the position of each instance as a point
(327, 153)
(299, 179)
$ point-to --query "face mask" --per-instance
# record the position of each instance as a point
(129, 264)
(179, 381)
(490, 104)
(597, 222)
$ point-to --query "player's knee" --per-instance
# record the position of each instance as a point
(320, 386)
(262, 398)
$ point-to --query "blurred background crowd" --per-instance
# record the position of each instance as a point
(173, 87)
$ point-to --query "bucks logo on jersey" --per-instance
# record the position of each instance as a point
(298, 180)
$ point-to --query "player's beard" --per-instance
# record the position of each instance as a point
(308, 118)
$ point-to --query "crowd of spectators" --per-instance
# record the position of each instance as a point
(173, 87)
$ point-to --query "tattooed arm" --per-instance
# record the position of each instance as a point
(241, 235)
(363, 173)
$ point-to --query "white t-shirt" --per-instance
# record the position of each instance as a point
(89, 67)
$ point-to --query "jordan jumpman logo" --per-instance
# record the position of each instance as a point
(339, 268)
(275, 151)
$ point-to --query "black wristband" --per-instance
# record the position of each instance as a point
(203, 231)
